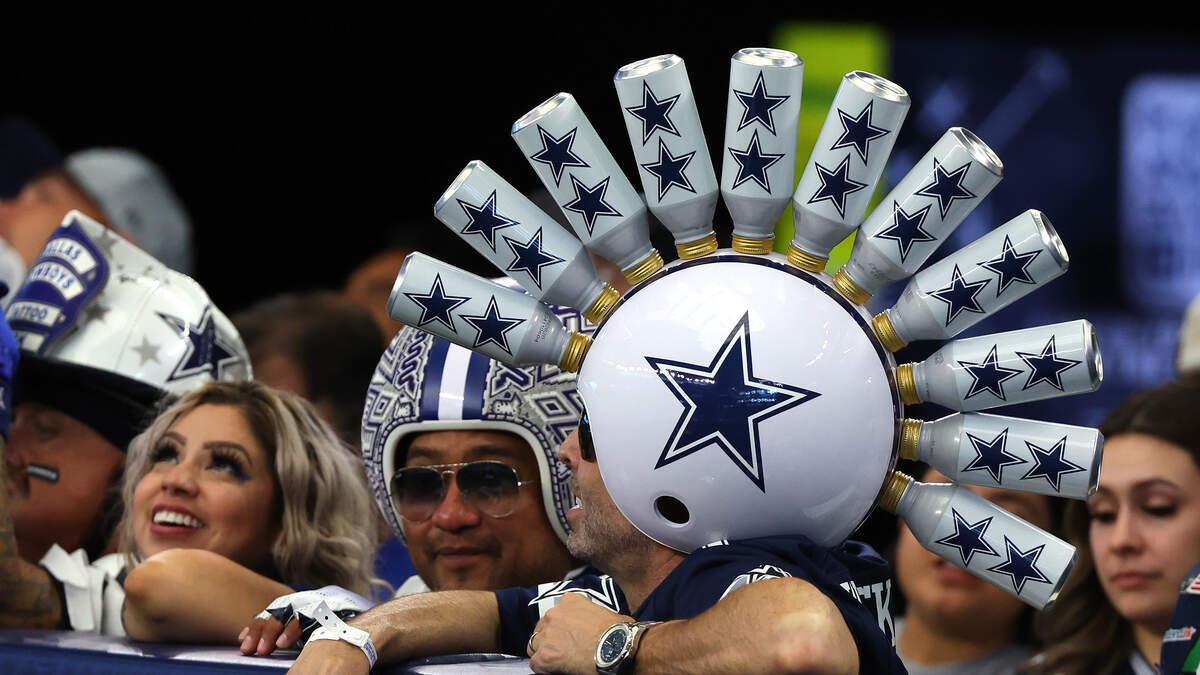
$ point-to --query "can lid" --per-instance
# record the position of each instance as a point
(979, 150)
(765, 56)
(543, 109)
(646, 66)
(1050, 238)
(458, 181)
(1091, 355)
(878, 86)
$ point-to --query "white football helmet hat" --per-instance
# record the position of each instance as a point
(106, 331)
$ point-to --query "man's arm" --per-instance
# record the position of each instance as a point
(191, 595)
(426, 624)
(775, 625)
(29, 598)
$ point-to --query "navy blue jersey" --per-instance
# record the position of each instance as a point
(853, 577)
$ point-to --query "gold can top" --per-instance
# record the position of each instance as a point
(895, 487)
(642, 270)
(602, 305)
(700, 247)
(887, 332)
(805, 260)
(754, 246)
(577, 347)
(907, 384)
(910, 435)
(849, 289)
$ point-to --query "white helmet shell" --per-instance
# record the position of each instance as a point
(748, 391)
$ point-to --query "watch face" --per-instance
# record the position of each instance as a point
(613, 645)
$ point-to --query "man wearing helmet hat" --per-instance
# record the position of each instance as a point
(106, 331)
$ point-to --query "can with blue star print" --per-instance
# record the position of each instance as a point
(982, 538)
(973, 448)
(576, 167)
(501, 323)
(845, 165)
(975, 282)
(919, 213)
(523, 242)
(1017, 366)
(759, 163)
(670, 150)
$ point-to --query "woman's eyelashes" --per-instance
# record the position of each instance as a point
(165, 452)
(222, 460)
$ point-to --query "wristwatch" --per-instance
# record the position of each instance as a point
(618, 647)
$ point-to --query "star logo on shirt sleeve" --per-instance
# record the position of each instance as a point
(991, 456)
(1050, 464)
(960, 296)
(529, 257)
(757, 105)
(906, 229)
(968, 538)
(436, 305)
(1021, 566)
(484, 220)
(491, 327)
(669, 170)
(753, 164)
(1011, 266)
(835, 185)
(947, 186)
(556, 153)
(988, 376)
(606, 596)
(589, 202)
(655, 114)
(858, 132)
(724, 403)
(1046, 366)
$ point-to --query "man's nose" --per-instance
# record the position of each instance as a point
(454, 513)
(568, 452)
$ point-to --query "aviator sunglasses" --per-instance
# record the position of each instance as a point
(490, 487)
(587, 447)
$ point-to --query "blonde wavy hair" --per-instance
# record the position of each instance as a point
(327, 528)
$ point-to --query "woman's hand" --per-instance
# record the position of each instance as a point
(265, 635)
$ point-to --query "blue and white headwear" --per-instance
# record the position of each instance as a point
(426, 384)
(106, 331)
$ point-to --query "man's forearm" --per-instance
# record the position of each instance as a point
(427, 624)
(28, 598)
(777, 625)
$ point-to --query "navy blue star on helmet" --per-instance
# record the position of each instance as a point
(947, 186)
(1046, 367)
(669, 170)
(484, 220)
(835, 185)
(530, 258)
(757, 105)
(724, 403)
(753, 164)
(436, 305)
(968, 538)
(1011, 266)
(858, 132)
(1021, 566)
(653, 113)
(589, 202)
(207, 351)
(556, 152)
(492, 327)
(906, 229)
(988, 376)
(991, 455)
(1050, 464)
(959, 296)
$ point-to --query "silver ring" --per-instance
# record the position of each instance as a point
(529, 645)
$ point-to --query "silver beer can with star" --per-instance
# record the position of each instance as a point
(982, 538)
(761, 125)
(845, 165)
(919, 213)
(523, 242)
(1017, 366)
(501, 323)
(975, 282)
(670, 150)
(577, 169)
(1060, 460)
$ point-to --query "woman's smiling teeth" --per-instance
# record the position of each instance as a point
(177, 519)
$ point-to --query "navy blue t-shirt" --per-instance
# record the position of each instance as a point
(853, 577)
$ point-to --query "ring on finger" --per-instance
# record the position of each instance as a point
(529, 645)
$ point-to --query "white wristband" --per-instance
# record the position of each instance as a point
(333, 628)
